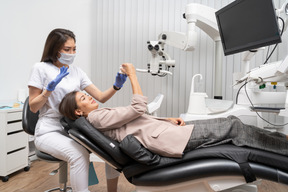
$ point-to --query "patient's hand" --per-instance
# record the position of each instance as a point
(128, 69)
(177, 121)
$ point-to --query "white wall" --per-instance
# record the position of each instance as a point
(24, 26)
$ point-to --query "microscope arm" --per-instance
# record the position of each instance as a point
(196, 15)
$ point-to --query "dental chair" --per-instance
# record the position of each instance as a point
(220, 168)
(29, 121)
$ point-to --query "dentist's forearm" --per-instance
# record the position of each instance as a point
(37, 98)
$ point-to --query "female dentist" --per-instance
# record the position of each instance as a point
(50, 80)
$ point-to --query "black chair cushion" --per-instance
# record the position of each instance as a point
(134, 149)
(226, 151)
(46, 156)
(96, 137)
(88, 144)
(202, 169)
(29, 119)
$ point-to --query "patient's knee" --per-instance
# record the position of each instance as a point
(237, 127)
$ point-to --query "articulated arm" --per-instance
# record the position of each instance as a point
(273, 72)
(196, 15)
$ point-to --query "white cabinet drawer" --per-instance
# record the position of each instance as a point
(15, 126)
(17, 160)
(14, 116)
(16, 141)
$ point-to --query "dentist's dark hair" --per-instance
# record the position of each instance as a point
(68, 106)
(54, 43)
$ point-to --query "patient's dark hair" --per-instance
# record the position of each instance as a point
(68, 106)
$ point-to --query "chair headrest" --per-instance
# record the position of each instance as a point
(64, 122)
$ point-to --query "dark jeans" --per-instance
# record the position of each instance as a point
(212, 132)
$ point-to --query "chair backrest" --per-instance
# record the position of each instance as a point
(108, 145)
(29, 119)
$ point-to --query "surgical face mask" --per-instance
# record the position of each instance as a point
(66, 58)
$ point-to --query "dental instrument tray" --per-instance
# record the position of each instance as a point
(267, 109)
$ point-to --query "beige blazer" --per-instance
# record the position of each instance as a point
(156, 134)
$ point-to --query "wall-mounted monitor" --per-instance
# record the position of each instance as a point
(247, 25)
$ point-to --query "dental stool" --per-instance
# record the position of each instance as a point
(29, 120)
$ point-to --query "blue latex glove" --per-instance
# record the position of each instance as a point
(63, 72)
(120, 80)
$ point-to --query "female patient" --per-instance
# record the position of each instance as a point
(168, 137)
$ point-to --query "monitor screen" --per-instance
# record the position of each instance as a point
(247, 24)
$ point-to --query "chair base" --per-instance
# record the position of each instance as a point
(66, 189)
(62, 178)
(208, 184)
